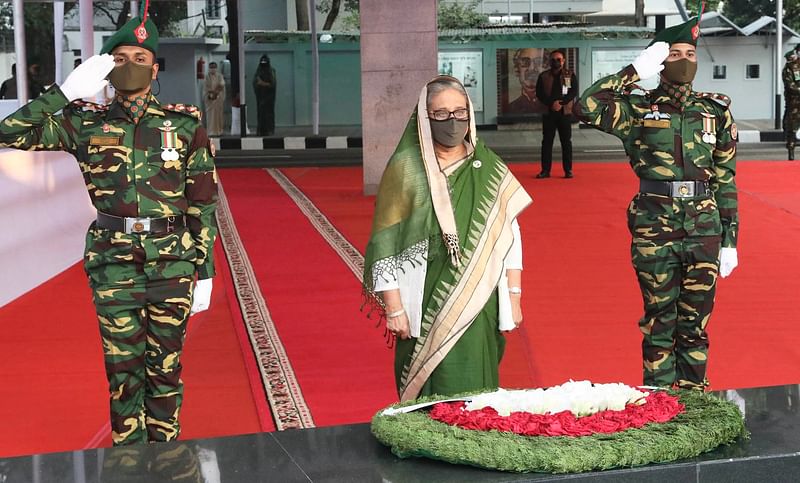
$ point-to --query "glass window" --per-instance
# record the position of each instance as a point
(753, 71)
(213, 8)
(720, 72)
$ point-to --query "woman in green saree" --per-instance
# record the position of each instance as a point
(444, 259)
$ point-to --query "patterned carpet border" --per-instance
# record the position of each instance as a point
(346, 251)
(289, 408)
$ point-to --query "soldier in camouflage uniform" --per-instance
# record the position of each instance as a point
(150, 174)
(682, 146)
(791, 90)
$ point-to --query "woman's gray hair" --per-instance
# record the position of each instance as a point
(441, 85)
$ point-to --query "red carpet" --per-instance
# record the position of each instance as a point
(581, 305)
(338, 358)
(581, 301)
(54, 397)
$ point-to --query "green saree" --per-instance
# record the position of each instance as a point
(459, 346)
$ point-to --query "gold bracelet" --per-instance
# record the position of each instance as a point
(396, 314)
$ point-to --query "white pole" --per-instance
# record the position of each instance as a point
(22, 54)
(86, 12)
(778, 60)
(312, 22)
(242, 89)
(58, 39)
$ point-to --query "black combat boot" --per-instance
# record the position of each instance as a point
(791, 153)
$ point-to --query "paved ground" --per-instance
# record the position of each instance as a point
(516, 135)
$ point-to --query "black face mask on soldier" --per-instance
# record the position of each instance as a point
(450, 132)
(680, 71)
(131, 77)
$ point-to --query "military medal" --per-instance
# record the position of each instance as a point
(709, 128)
(106, 127)
(169, 142)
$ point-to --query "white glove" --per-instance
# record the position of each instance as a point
(651, 60)
(89, 78)
(728, 260)
(202, 296)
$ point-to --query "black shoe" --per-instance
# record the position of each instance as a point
(568, 174)
(791, 154)
(542, 175)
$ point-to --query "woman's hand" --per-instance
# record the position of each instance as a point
(399, 326)
(516, 308)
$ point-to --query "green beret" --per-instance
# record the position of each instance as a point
(685, 33)
(134, 33)
(790, 54)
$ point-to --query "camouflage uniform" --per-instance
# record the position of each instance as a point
(142, 283)
(791, 115)
(676, 241)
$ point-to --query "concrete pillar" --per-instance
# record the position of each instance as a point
(398, 56)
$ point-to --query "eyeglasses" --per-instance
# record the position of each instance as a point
(444, 114)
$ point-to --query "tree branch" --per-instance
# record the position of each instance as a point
(332, 14)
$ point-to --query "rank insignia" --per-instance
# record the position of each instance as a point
(169, 142)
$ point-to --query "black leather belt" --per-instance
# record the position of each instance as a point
(129, 225)
(675, 189)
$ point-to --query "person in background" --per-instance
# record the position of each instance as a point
(214, 93)
(556, 88)
(265, 84)
(791, 91)
(8, 90)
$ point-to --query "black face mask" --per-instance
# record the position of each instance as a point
(680, 71)
(555, 64)
(450, 132)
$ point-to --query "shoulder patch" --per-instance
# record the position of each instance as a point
(186, 109)
(721, 99)
(85, 106)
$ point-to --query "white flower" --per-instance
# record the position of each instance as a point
(582, 398)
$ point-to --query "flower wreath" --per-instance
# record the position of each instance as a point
(705, 422)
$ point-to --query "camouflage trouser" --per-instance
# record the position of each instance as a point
(791, 121)
(142, 325)
(678, 281)
(177, 462)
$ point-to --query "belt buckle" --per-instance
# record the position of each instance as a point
(683, 189)
(137, 225)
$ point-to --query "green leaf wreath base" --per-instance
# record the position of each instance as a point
(706, 423)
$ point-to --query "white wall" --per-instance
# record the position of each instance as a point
(45, 210)
(751, 98)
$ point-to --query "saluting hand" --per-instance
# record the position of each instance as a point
(89, 78)
(651, 60)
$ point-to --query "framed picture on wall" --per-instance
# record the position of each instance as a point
(517, 73)
(468, 68)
